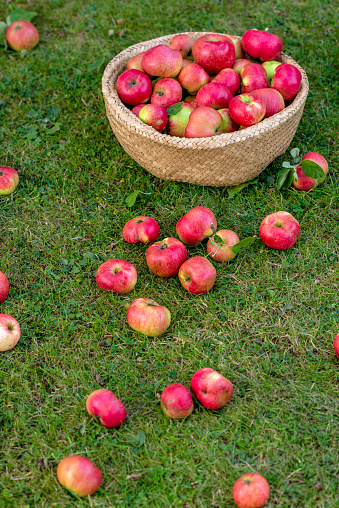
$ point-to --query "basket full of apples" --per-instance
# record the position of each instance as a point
(202, 108)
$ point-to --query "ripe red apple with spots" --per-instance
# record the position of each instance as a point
(272, 99)
(253, 77)
(104, 405)
(287, 80)
(176, 401)
(214, 95)
(135, 62)
(262, 45)
(204, 122)
(164, 258)
(162, 61)
(134, 87)
(212, 389)
(116, 275)
(183, 43)
(146, 316)
(213, 52)
(166, 92)
(195, 225)
(4, 287)
(279, 230)
(239, 64)
(141, 229)
(228, 124)
(306, 183)
(246, 109)
(154, 116)
(251, 490)
(79, 475)
(9, 332)
(230, 78)
(9, 180)
(197, 275)
(192, 77)
(22, 35)
(219, 246)
(136, 110)
(336, 345)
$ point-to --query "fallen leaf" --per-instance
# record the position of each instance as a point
(135, 475)
(120, 21)
(111, 32)
(121, 33)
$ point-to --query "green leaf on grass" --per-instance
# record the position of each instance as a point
(284, 178)
(3, 28)
(131, 198)
(242, 244)
(20, 15)
(312, 169)
(175, 108)
(23, 53)
(232, 191)
(54, 129)
(97, 64)
(295, 152)
(287, 164)
(53, 111)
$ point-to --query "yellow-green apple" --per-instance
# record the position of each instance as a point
(136, 110)
(306, 183)
(135, 62)
(192, 77)
(197, 275)
(176, 401)
(219, 245)
(182, 43)
(273, 100)
(141, 229)
(162, 61)
(270, 67)
(239, 64)
(212, 389)
(214, 52)
(9, 180)
(253, 77)
(9, 332)
(228, 124)
(166, 92)
(104, 405)
(22, 35)
(146, 316)
(195, 225)
(287, 80)
(4, 287)
(204, 122)
(164, 258)
(191, 99)
(251, 490)
(230, 78)
(79, 475)
(177, 123)
(134, 87)
(279, 230)
(155, 116)
(336, 345)
(116, 275)
(214, 95)
(246, 110)
(239, 52)
(260, 44)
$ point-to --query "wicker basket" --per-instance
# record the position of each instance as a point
(224, 160)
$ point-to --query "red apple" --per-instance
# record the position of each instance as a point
(141, 229)
(79, 475)
(253, 77)
(229, 78)
(270, 67)
(239, 52)
(214, 95)
(165, 257)
(9, 180)
(176, 401)
(9, 332)
(155, 116)
(246, 110)
(191, 99)
(318, 159)
(185, 62)
(219, 245)
(279, 230)
(22, 35)
(195, 225)
(287, 80)
(4, 287)
(239, 64)
(228, 124)
(197, 275)
(192, 77)
(166, 92)
(116, 275)
(214, 52)
(251, 490)
(211, 388)
(272, 99)
(182, 43)
(107, 407)
(263, 45)
(177, 123)
(134, 87)
(146, 316)
(306, 183)
(336, 345)
(204, 122)
(136, 110)
(135, 62)
(162, 61)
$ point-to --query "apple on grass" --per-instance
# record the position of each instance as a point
(162, 61)
(197, 275)
(146, 316)
(306, 183)
(9, 180)
(262, 45)
(135, 62)
(4, 287)
(204, 122)
(22, 35)
(219, 246)
(279, 230)
(214, 95)
(141, 229)
(155, 116)
(251, 490)
(192, 77)
(246, 109)
(230, 78)
(195, 225)
(177, 122)
(9, 332)
(104, 405)
(116, 275)
(134, 87)
(287, 80)
(182, 43)
(165, 257)
(336, 345)
(272, 99)
(166, 92)
(213, 52)
(176, 401)
(79, 475)
(212, 389)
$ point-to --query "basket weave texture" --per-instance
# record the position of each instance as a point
(219, 161)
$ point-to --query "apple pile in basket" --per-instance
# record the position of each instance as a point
(198, 89)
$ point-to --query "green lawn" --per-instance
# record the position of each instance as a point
(268, 324)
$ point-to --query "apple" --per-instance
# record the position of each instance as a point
(253, 77)
(287, 80)
(191, 99)
(246, 110)
(9, 180)
(228, 124)
(336, 345)
(211, 388)
(107, 407)
(9, 332)
(162, 61)
(230, 78)
(165, 257)
(239, 64)
(182, 43)
(177, 123)
(213, 52)
(239, 52)
(116, 275)
(134, 87)
(195, 225)
(219, 245)
(318, 159)
(135, 62)
(166, 92)
(263, 45)
(270, 67)
(204, 122)
(4, 287)
(22, 35)
(251, 490)
(279, 230)
(214, 95)
(306, 183)
(192, 77)
(197, 275)
(155, 116)
(146, 316)
(176, 401)
(272, 99)
(136, 110)
(79, 475)
(141, 229)
(185, 62)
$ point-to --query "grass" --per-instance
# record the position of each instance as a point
(268, 325)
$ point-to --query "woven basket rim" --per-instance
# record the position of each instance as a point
(111, 96)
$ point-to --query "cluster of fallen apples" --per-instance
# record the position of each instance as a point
(210, 72)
